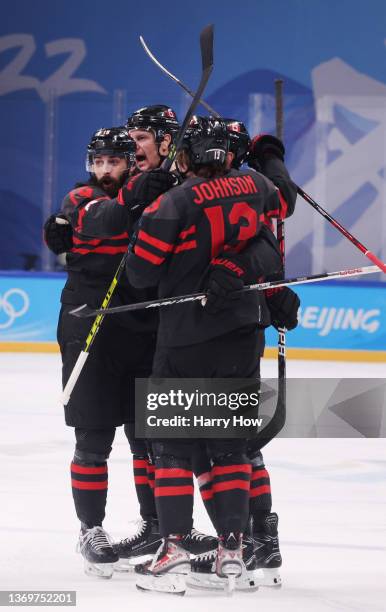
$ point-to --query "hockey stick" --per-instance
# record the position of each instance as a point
(174, 78)
(87, 311)
(206, 47)
(277, 421)
(369, 254)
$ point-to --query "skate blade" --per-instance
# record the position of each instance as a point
(99, 570)
(128, 565)
(268, 578)
(168, 583)
(211, 582)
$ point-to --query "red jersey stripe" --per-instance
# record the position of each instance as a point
(156, 242)
(154, 259)
(186, 246)
(283, 205)
(107, 250)
(185, 233)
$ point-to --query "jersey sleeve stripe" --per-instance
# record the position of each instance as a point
(154, 259)
(156, 242)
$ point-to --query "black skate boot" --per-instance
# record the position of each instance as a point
(203, 570)
(143, 543)
(96, 549)
(166, 572)
(197, 543)
(267, 551)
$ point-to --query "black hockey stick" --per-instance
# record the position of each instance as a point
(206, 47)
(174, 78)
(87, 311)
(206, 44)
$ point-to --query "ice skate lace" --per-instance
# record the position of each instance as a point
(98, 537)
(207, 556)
(141, 527)
(197, 535)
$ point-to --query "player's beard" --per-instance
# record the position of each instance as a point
(110, 185)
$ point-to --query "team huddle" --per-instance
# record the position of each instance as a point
(206, 225)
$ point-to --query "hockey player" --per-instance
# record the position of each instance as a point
(106, 206)
(260, 545)
(180, 237)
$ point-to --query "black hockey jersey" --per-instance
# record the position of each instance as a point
(183, 231)
(101, 235)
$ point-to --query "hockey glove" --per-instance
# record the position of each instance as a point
(142, 189)
(262, 148)
(283, 304)
(57, 234)
(223, 282)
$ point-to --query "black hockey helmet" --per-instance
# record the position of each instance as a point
(207, 140)
(113, 141)
(239, 141)
(159, 118)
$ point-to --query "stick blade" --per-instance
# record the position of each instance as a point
(82, 311)
(206, 44)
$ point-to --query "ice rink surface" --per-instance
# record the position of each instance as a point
(330, 495)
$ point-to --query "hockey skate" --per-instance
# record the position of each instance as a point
(203, 571)
(267, 552)
(166, 572)
(229, 560)
(197, 542)
(138, 547)
(96, 549)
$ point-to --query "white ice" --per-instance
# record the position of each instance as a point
(330, 495)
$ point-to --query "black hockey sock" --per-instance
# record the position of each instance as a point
(230, 486)
(202, 471)
(144, 485)
(260, 499)
(174, 495)
(89, 490)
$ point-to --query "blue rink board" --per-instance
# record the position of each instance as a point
(334, 315)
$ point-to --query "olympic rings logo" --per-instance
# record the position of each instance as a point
(12, 307)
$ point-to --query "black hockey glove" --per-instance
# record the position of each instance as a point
(262, 148)
(57, 234)
(142, 189)
(223, 281)
(283, 304)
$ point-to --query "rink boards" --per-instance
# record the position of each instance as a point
(337, 320)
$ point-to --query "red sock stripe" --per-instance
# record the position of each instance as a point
(218, 470)
(142, 480)
(259, 474)
(140, 463)
(263, 490)
(91, 486)
(206, 494)
(217, 487)
(84, 469)
(172, 473)
(166, 491)
(150, 468)
(151, 483)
